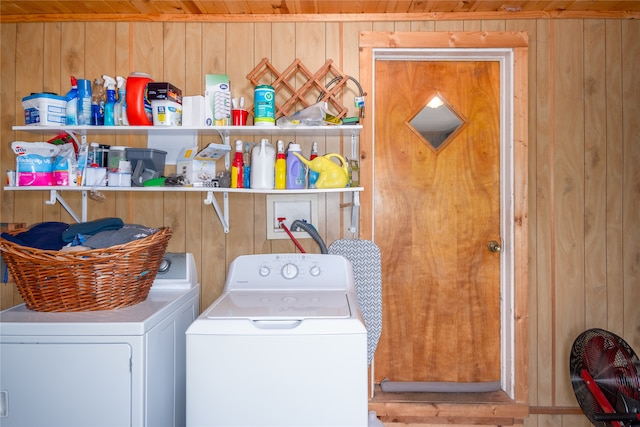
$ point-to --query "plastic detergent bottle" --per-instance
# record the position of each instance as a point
(97, 102)
(109, 107)
(237, 180)
(139, 111)
(281, 168)
(263, 159)
(72, 104)
(295, 168)
(84, 102)
(120, 112)
(313, 175)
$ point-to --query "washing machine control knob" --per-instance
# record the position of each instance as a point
(289, 271)
(264, 271)
(315, 271)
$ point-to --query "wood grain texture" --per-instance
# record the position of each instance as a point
(435, 213)
(26, 68)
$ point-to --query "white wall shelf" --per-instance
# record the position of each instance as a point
(225, 133)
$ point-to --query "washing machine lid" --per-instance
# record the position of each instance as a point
(277, 305)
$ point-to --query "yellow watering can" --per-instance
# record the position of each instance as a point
(331, 175)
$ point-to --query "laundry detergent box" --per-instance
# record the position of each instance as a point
(200, 167)
(34, 163)
(217, 100)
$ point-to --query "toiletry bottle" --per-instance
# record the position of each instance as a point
(109, 107)
(83, 151)
(237, 180)
(72, 104)
(121, 105)
(97, 102)
(313, 175)
(295, 169)
(281, 167)
(84, 102)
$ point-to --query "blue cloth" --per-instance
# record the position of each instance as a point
(91, 227)
(46, 236)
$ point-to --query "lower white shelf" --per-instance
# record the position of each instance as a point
(222, 213)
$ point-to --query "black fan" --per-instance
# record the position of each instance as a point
(604, 374)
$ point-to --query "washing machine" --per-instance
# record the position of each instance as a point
(284, 345)
(123, 367)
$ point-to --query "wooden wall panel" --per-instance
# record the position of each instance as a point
(583, 155)
(631, 183)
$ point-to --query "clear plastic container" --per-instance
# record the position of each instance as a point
(117, 154)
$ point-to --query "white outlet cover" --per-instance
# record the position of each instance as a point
(291, 207)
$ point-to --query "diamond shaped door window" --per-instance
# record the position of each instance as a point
(436, 123)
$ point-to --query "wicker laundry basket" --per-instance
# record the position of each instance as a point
(88, 280)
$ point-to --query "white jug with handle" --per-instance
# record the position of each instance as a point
(263, 162)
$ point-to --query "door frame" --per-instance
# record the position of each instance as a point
(511, 50)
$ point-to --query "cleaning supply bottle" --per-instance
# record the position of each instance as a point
(296, 171)
(246, 164)
(120, 112)
(263, 160)
(281, 168)
(313, 175)
(97, 102)
(72, 104)
(237, 180)
(139, 110)
(109, 107)
(84, 102)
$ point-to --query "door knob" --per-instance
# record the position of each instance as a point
(494, 246)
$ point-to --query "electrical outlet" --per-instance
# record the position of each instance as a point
(291, 207)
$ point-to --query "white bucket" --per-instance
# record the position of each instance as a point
(263, 163)
(44, 109)
(166, 112)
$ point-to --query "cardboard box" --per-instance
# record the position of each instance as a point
(163, 91)
(217, 100)
(200, 167)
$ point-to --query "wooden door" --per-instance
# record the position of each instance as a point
(435, 211)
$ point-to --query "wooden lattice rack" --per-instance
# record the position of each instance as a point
(312, 87)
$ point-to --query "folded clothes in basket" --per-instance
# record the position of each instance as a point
(45, 236)
(91, 228)
(126, 234)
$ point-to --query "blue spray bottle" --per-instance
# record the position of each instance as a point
(121, 105)
(109, 107)
(72, 104)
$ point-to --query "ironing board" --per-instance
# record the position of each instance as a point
(367, 271)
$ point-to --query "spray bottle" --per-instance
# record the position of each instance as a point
(237, 179)
(109, 107)
(72, 104)
(121, 105)
(281, 167)
(313, 175)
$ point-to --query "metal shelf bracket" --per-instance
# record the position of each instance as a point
(223, 215)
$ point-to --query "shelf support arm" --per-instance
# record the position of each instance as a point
(223, 215)
(54, 197)
(355, 212)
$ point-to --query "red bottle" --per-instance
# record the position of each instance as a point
(138, 105)
(237, 178)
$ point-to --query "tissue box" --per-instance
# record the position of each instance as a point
(217, 100)
(200, 167)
